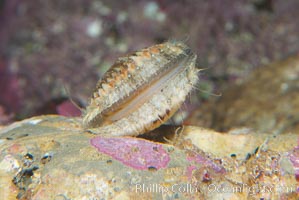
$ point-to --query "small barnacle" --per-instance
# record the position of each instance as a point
(152, 169)
(46, 158)
(151, 86)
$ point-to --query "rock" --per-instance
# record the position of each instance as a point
(268, 101)
(50, 157)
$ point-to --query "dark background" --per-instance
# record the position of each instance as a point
(53, 50)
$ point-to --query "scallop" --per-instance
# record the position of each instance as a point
(142, 90)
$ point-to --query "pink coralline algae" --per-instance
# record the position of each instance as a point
(206, 162)
(136, 153)
(294, 158)
(196, 159)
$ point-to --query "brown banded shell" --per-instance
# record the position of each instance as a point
(142, 90)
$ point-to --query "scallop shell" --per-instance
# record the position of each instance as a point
(142, 90)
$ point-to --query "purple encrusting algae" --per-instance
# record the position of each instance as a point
(136, 153)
